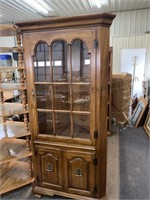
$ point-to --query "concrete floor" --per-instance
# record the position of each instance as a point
(113, 178)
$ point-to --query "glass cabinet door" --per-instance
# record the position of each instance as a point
(62, 81)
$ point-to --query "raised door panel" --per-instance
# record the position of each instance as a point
(50, 169)
(80, 172)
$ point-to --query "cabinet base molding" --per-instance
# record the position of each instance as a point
(38, 191)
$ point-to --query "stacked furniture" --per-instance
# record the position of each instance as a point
(121, 97)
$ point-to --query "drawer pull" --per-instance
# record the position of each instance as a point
(50, 167)
(78, 172)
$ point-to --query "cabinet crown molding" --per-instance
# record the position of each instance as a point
(103, 19)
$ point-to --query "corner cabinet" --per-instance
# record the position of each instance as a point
(67, 63)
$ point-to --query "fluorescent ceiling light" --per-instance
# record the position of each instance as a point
(39, 5)
(100, 3)
(104, 2)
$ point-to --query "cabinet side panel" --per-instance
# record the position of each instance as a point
(101, 104)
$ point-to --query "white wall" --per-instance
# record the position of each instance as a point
(138, 41)
(7, 41)
(131, 23)
(127, 31)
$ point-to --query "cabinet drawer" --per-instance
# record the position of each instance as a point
(50, 168)
(80, 172)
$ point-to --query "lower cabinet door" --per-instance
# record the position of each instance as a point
(80, 172)
(50, 168)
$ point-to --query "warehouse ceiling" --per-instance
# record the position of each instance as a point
(22, 10)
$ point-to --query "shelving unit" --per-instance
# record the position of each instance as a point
(15, 155)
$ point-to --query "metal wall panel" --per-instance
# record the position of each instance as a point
(127, 31)
(131, 23)
(7, 41)
(137, 41)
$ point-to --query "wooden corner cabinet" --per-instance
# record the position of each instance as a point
(15, 162)
(67, 62)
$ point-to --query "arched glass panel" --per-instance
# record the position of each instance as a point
(42, 63)
(59, 61)
(42, 76)
(80, 62)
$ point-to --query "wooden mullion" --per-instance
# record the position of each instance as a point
(52, 89)
(81, 112)
(50, 59)
(62, 83)
(70, 81)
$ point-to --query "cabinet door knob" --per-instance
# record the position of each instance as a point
(78, 172)
(50, 167)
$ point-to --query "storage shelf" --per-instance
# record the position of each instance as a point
(2, 68)
(14, 175)
(7, 30)
(9, 95)
(15, 163)
(9, 109)
(13, 149)
(11, 86)
(6, 49)
(13, 129)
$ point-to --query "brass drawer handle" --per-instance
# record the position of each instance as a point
(78, 172)
(50, 167)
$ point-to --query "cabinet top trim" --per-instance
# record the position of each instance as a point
(103, 19)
